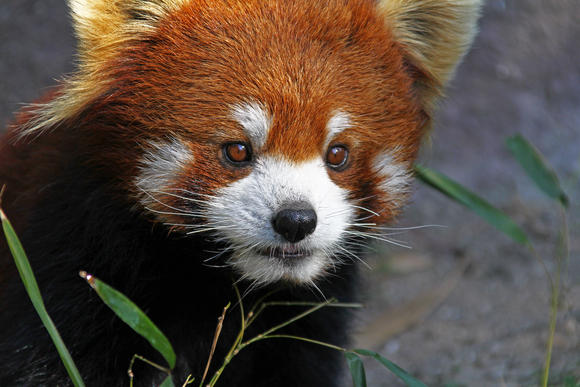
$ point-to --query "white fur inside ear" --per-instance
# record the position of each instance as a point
(395, 177)
(255, 120)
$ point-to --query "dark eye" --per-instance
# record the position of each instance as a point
(237, 152)
(337, 156)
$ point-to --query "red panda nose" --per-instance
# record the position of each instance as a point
(295, 221)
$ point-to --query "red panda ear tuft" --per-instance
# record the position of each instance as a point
(102, 25)
(435, 33)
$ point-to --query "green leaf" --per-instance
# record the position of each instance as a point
(133, 316)
(357, 369)
(475, 203)
(537, 167)
(407, 378)
(168, 382)
(34, 293)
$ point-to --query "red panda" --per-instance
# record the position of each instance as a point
(206, 142)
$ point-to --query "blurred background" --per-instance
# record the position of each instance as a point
(465, 305)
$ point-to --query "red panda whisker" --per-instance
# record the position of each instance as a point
(181, 225)
(180, 196)
(160, 202)
(351, 254)
(391, 230)
(410, 228)
(373, 235)
(256, 284)
(366, 217)
(368, 225)
(166, 212)
(358, 245)
(366, 198)
(366, 209)
(217, 254)
(379, 238)
(313, 285)
(224, 266)
(202, 229)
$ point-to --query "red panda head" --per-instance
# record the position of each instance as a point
(280, 129)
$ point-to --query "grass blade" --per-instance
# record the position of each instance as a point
(475, 203)
(34, 293)
(357, 369)
(132, 316)
(537, 167)
(407, 378)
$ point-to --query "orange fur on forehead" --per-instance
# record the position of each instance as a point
(302, 62)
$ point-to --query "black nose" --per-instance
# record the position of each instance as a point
(295, 221)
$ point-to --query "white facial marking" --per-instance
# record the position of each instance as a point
(255, 120)
(159, 166)
(396, 176)
(337, 123)
(243, 211)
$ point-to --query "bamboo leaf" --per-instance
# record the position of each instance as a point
(407, 378)
(357, 369)
(475, 203)
(132, 316)
(168, 382)
(34, 293)
(537, 167)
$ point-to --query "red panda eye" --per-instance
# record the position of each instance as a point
(237, 152)
(337, 156)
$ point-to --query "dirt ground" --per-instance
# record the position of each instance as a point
(466, 306)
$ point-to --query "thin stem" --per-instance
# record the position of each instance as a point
(539, 259)
(298, 317)
(130, 370)
(242, 314)
(215, 339)
(189, 380)
(240, 336)
(237, 347)
(252, 316)
(304, 303)
(563, 255)
(553, 313)
(306, 339)
(260, 304)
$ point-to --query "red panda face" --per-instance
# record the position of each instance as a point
(281, 219)
(280, 138)
(278, 129)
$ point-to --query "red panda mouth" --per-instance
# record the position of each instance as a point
(286, 252)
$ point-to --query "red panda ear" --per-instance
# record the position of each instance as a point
(103, 28)
(435, 33)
